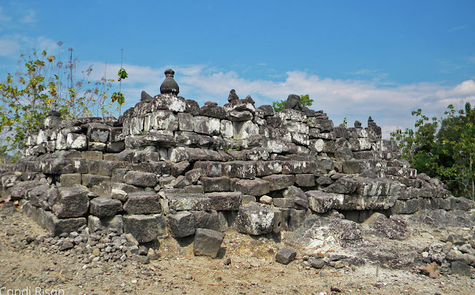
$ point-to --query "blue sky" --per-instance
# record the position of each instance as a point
(354, 58)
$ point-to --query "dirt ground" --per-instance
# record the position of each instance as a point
(245, 265)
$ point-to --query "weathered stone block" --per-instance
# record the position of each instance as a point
(283, 202)
(298, 196)
(185, 122)
(305, 180)
(256, 187)
(298, 167)
(278, 182)
(285, 256)
(297, 218)
(240, 169)
(105, 206)
(142, 179)
(178, 168)
(224, 201)
(109, 223)
(188, 202)
(355, 166)
(227, 129)
(91, 155)
(56, 226)
(321, 202)
(142, 203)
(209, 220)
(76, 141)
(182, 224)
(244, 130)
(343, 186)
(460, 268)
(255, 220)
(281, 218)
(90, 180)
(70, 179)
(38, 196)
(406, 207)
(115, 147)
(215, 184)
(144, 228)
(194, 175)
(104, 168)
(207, 242)
(162, 120)
(206, 125)
(71, 202)
(210, 169)
(98, 132)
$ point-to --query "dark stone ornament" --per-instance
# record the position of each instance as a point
(233, 96)
(169, 86)
(145, 96)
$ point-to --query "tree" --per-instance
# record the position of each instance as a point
(443, 148)
(305, 101)
(41, 85)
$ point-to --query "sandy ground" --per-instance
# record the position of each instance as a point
(246, 265)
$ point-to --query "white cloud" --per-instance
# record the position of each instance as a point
(29, 17)
(457, 28)
(11, 46)
(390, 107)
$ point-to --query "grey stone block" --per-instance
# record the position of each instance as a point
(57, 226)
(305, 180)
(461, 269)
(144, 228)
(209, 220)
(142, 179)
(70, 179)
(279, 182)
(142, 203)
(223, 201)
(188, 202)
(90, 180)
(256, 187)
(281, 218)
(105, 206)
(215, 184)
(207, 242)
(38, 196)
(321, 202)
(71, 202)
(109, 223)
(246, 199)
(285, 256)
(297, 218)
(283, 202)
(298, 196)
(182, 224)
(255, 220)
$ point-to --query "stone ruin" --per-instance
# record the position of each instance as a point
(169, 167)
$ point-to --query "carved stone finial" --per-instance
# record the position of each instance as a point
(293, 102)
(232, 95)
(169, 86)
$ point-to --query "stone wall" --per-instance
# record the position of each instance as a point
(169, 167)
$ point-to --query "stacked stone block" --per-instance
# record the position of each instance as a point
(169, 167)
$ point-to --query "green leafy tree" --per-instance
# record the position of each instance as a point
(305, 101)
(443, 148)
(41, 85)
